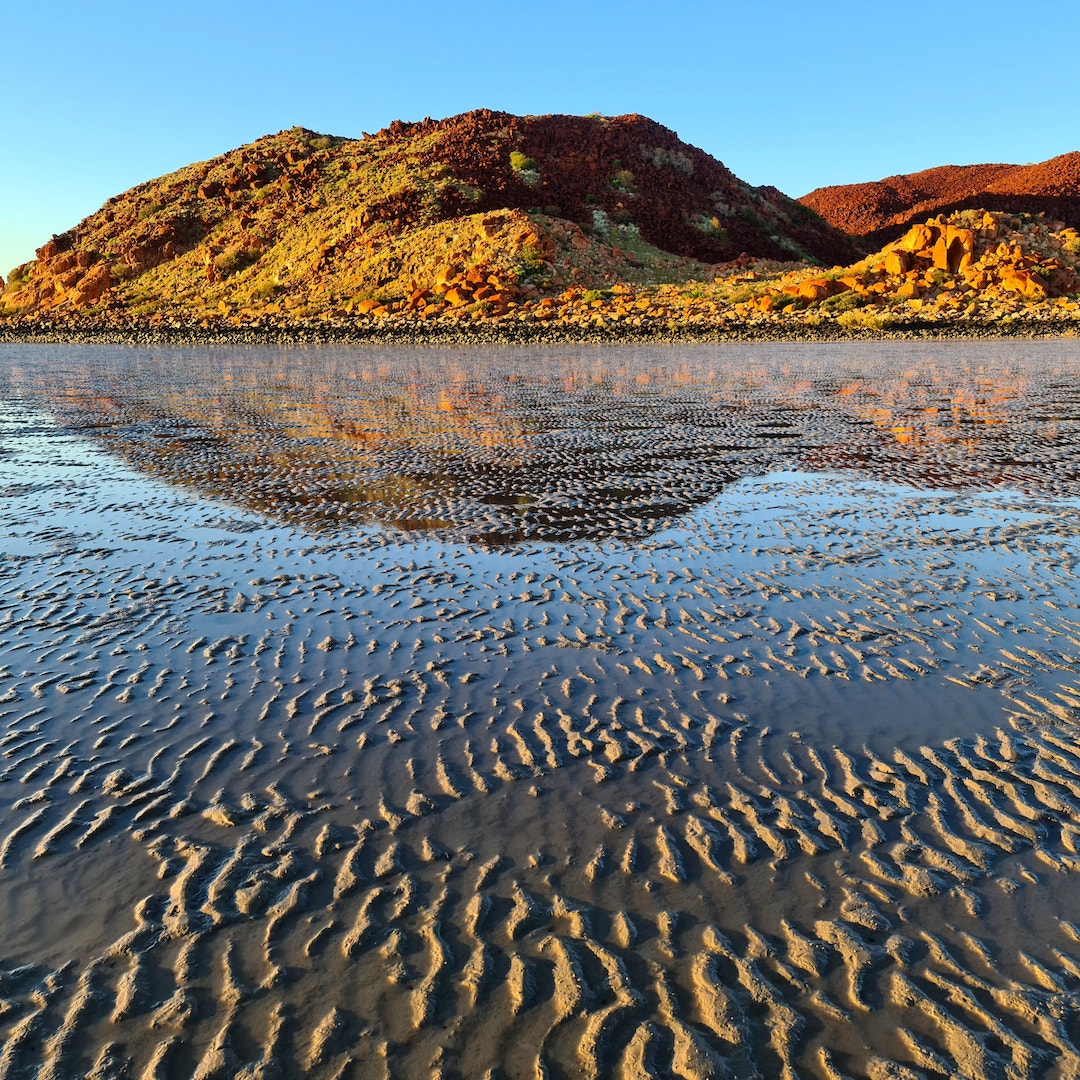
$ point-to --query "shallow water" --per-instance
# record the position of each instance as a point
(698, 711)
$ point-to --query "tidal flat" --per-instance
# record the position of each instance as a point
(698, 711)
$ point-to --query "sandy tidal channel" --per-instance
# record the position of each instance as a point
(698, 712)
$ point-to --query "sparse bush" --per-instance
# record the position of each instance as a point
(530, 266)
(710, 226)
(591, 295)
(623, 180)
(20, 275)
(864, 319)
(267, 291)
(467, 191)
(658, 157)
(525, 167)
(752, 217)
(121, 271)
(236, 257)
(845, 301)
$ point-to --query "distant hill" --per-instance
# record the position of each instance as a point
(880, 211)
(305, 223)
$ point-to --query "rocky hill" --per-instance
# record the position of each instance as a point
(880, 211)
(486, 206)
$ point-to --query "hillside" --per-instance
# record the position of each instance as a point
(879, 211)
(501, 206)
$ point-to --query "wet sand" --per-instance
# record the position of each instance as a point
(707, 712)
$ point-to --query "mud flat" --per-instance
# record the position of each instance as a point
(699, 712)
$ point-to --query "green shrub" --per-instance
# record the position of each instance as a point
(530, 265)
(752, 217)
(525, 167)
(467, 191)
(236, 257)
(710, 226)
(863, 319)
(845, 301)
(267, 291)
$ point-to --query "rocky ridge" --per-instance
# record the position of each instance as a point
(879, 211)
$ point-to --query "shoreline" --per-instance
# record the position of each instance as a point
(482, 333)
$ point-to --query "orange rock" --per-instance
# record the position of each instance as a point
(814, 290)
(365, 307)
(917, 238)
(93, 286)
(940, 253)
(1020, 281)
(897, 262)
(446, 274)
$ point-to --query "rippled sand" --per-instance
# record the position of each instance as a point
(703, 712)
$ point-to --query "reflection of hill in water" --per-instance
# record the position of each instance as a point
(545, 446)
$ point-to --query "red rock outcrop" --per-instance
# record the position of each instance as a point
(880, 211)
(629, 168)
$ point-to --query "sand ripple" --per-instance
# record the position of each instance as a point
(786, 787)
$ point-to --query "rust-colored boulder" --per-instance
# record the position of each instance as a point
(897, 262)
(457, 296)
(1021, 282)
(814, 290)
(90, 288)
(917, 238)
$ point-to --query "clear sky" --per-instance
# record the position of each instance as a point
(99, 97)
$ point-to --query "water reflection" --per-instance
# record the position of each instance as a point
(549, 445)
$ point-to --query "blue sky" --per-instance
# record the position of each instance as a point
(98, 98)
